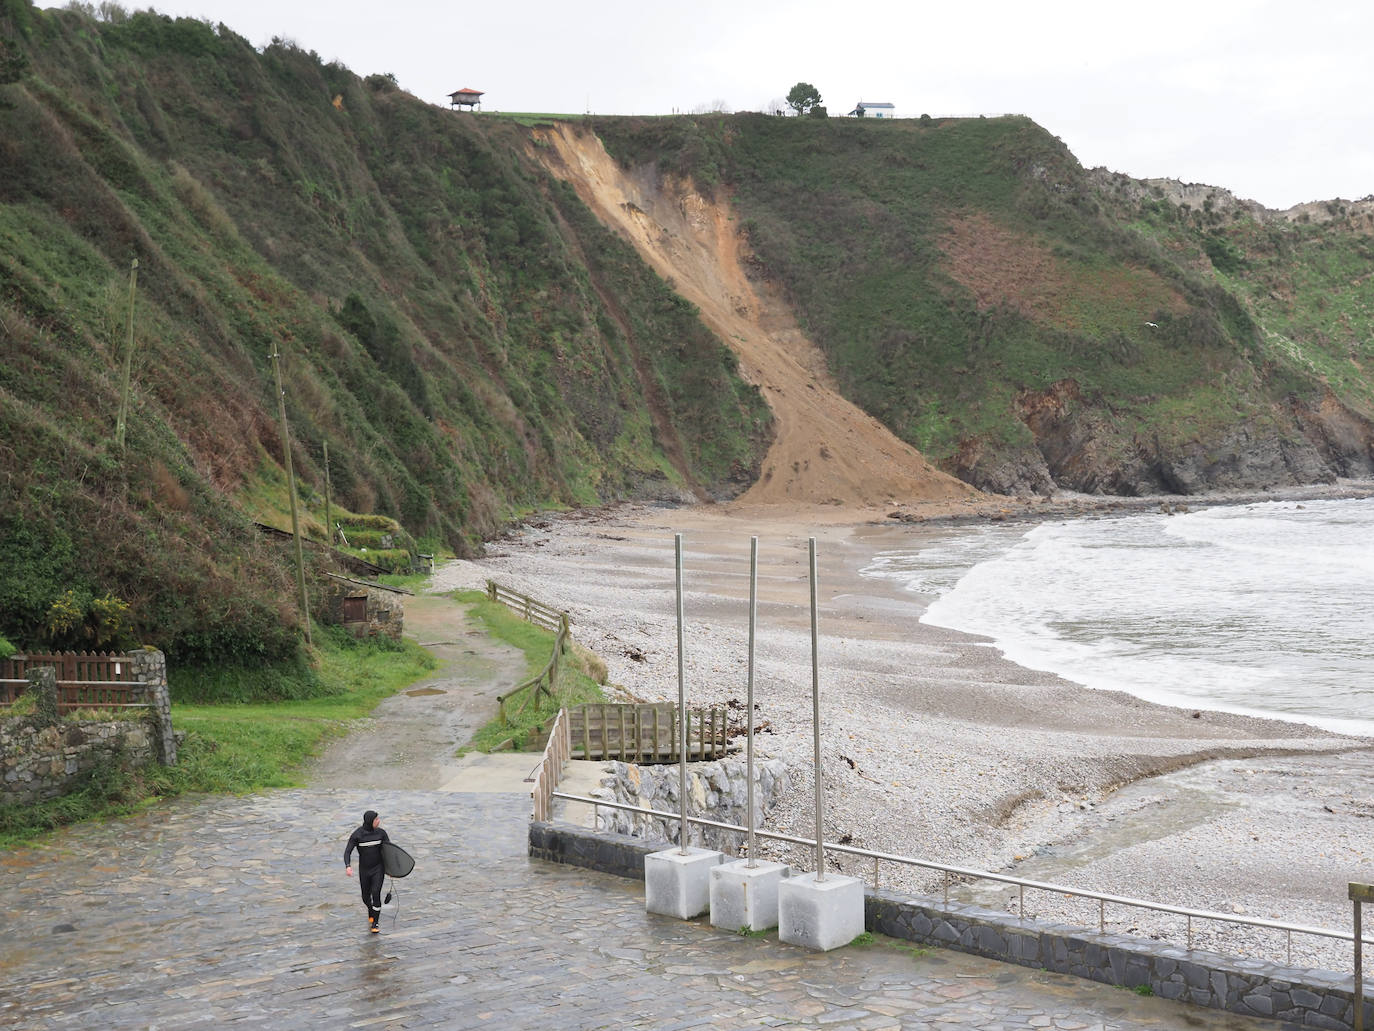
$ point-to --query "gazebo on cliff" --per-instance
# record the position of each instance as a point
(465, 98)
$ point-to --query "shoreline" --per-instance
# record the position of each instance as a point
(934, 744)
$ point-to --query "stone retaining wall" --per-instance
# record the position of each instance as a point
(716, 791)
(45, 756)
(1307, 998)
(40, 761)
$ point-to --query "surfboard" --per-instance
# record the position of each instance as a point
(396, 861)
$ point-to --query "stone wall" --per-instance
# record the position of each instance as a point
(716, 791)
(384, 606)
(39, 761)
(45, 756)
(1299, 997)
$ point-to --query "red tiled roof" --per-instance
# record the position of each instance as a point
(459, 92)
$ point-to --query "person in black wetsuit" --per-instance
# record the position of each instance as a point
(368, 839)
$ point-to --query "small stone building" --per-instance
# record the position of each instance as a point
(363, 607)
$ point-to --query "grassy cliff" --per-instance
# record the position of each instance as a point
(1029, 324)
(465, 338)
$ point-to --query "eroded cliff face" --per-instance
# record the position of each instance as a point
(826, 450)
(1078, 446)
(1029, 326)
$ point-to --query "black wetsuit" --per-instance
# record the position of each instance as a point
(368, 841)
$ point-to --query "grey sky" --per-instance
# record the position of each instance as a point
(1270, 100)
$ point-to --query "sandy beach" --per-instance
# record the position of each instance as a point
(936, 747)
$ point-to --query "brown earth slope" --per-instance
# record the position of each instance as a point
(827, 451)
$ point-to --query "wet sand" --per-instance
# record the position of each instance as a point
(934, 746)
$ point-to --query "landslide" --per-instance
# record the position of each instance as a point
(826, 451)
(458, 330)
(1028, 325)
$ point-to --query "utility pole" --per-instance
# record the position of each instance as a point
(122, 419)
(291, 486)
(328, 517)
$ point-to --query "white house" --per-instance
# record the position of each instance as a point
(872, 109)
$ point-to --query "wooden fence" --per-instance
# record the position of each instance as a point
(541, 615)
(646, 733)
(531, 610)
(85, 680)
(557, 751)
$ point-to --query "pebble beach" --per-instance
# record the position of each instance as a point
(935, 747)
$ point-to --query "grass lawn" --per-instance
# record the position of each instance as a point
(580, 676)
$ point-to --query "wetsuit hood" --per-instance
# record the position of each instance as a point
(368, 817)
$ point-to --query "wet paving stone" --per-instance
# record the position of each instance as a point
(229, 912)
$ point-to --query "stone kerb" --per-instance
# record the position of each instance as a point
(1256, 988)
(1309, 998)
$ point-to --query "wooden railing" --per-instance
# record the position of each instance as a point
(529, 609)
(646, 733)
(541, 615)
(557, 751)
(85, 680)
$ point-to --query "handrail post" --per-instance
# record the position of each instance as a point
(1359, 894)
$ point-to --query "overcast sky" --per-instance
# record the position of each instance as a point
(1273, 101)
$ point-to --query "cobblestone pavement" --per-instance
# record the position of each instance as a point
(236, 911)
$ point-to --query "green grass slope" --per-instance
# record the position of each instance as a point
(465, 338)
(996, 306)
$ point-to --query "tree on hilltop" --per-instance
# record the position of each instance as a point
(802, 97)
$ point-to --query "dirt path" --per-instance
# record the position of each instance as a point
(409, 742)
(827, 451)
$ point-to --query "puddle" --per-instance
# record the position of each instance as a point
(421, 692)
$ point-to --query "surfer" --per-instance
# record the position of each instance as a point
(368, 839)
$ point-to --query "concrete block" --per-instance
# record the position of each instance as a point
(678, 884)
(744, 896)
(820, 914)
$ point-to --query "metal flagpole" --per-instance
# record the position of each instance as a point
(816, 724)
(681, 706)
(749, 697)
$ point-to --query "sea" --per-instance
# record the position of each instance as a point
(1265, 609)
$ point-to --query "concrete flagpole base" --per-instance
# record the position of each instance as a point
(821, 915)
(679, 885)
(745, 897)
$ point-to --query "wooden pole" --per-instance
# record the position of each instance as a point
(328, 507)
(123, 418)
(291, 487)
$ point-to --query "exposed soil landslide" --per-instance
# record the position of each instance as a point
(827, 451)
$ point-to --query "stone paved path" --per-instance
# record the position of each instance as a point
(235, 911)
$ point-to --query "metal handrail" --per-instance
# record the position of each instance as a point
(959, 871)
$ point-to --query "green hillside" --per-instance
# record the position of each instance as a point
(458, 329)
(472, 345)
(1030, 325)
